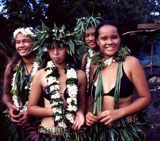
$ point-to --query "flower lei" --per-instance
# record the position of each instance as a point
(91, 55)
(25, 31)
(62, 118)
(14, 84)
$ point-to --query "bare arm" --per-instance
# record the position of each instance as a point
(139, 80)
(6, 97)
(80, 119)
(36, 92)
(83, 62)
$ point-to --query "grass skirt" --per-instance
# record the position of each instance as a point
(42, 134)
(121, 130)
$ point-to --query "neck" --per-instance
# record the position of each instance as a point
(29, 59)
(61, 66)
(96, 50)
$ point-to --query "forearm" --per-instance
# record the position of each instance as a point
(82, 108)
(7, 100)
(38, 111)
(135, 107)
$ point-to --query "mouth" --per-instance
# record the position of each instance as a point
(22, 50)
(110, 47)
(91, 43)
(55, 59)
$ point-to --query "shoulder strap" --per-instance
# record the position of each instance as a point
(118, 85)
(98, 94)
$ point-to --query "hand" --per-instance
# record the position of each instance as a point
(78, 122)
(14, 113)
(108, 116)
(24, 119)
(91, 119)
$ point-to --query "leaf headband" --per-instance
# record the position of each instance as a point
(48, 38)
(84, 23)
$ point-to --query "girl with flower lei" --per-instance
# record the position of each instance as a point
(63, 88)
(85, 29)
(19, 74)
(112, 114)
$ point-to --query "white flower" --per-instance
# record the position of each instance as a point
(54, 87)
(109, 61)
(70, 117)
(51, 80)
(62, 124)
(72, 89)
(71, 73)
(50, 64)
(71, 108)
(58, 118)
(35, 68)
(15, 101)
(49, 72)
(69, 100)
(55, 96)
(25, 31)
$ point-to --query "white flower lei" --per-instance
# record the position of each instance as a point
(25, 31)
(88, 64)
(14, 86)
(109, 61)
(56, 101)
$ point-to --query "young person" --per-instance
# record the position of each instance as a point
(18, 82)
(62, 86)
(85, 29)
(112, 113)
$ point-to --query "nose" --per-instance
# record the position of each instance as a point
(109, 41)
(91, 37)
(55, 51)
(21, 44)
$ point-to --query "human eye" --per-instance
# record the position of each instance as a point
(115, 36)
(103, 38)
(86, 35)
(26, 41)
(17, 41)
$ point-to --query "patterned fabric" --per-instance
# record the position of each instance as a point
(13, 132)
(41, 134)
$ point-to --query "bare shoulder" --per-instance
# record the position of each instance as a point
(81, 73)
(131, 60)
(83, 61)
(84, 56)
(132, 64)
(40, 73)
(8, 69)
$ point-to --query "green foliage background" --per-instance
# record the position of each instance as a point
(127, 13)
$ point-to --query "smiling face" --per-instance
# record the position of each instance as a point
(58, 54)
(108, 40)
(23, 45)
(90, 37)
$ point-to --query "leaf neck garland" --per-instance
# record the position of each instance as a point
(119, 57)
(62, 118)
(91, 55)
(20, 88)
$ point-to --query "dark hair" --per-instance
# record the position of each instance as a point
(105, 22)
